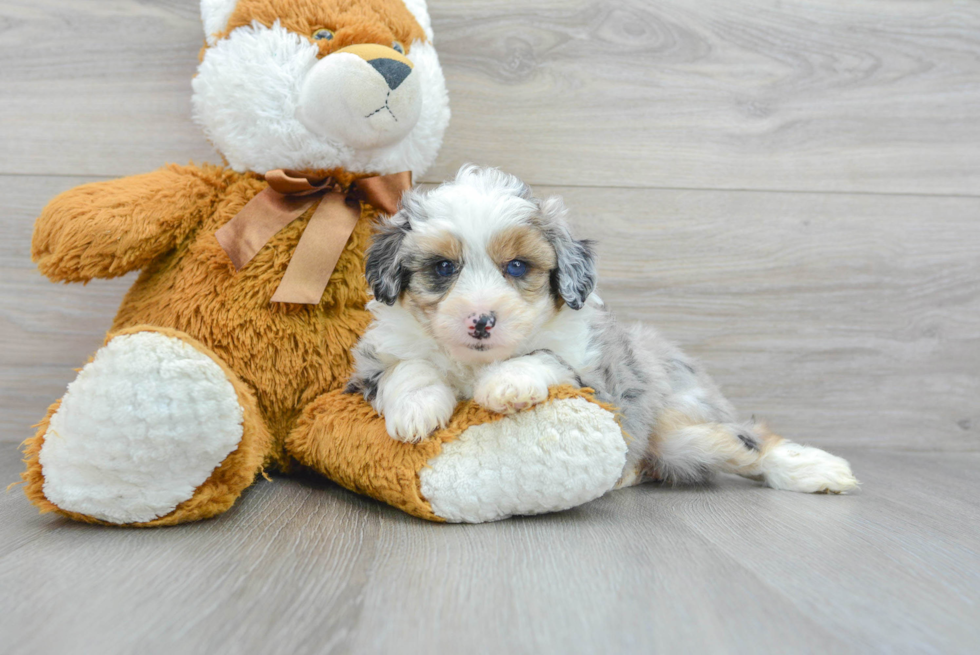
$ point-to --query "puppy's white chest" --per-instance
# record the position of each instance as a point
(462, 378)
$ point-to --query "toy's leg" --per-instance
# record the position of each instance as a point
(155, 430)
(687, 454)
(482, 467)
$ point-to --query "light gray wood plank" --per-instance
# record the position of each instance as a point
(869, 95)
(19, 521)
(865, 95)
(300, 566)
(608, 578)
(280, 538)
(98, 87)
(860, 566)
(867, 558)
(843, 319)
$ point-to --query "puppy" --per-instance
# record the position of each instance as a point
(482, 292)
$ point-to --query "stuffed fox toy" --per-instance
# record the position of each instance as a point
(229, 355)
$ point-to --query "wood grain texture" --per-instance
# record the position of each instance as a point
(301, 566)
(848, 317)
(98, 87)
(843, 319)
(756, 94)
(867, 95)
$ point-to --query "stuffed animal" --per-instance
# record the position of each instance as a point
(229, 355)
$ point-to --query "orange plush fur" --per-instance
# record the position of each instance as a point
(364, 21)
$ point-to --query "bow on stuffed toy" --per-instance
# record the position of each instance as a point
(289, 194)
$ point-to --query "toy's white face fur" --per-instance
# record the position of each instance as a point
(338, 90)
(480, 264)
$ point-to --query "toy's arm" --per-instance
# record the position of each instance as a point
(107, 229)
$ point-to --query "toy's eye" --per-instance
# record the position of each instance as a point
(445, 268)
(398, 47)
(516, 268)
(323, 35)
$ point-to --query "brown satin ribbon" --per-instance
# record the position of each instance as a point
(288, 195)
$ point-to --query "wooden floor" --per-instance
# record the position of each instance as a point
(302, 566)
(788, 188)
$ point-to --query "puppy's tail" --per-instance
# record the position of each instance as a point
(690, 454)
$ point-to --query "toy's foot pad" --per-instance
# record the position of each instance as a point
(558, 455)
(139, 430)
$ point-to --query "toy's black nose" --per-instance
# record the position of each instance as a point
(393, 71)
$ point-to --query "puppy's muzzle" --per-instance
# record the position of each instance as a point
(480, 326)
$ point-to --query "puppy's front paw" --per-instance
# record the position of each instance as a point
(507, 392)
(417, 414)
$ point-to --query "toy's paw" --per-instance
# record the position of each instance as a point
(794, 467)
(417, 414)
(143, 425)
(554, 456)
(510, 390)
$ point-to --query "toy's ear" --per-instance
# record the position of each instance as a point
(215, 15)
(574, 278)
(421, 13)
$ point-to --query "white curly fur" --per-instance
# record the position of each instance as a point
(555, 456)
(140, 429)
(215, 15)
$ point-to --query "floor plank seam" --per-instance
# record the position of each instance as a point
(816, 192)
(536, 183)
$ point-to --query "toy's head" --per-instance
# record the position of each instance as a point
(314, 85)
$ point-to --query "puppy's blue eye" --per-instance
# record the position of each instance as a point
(398, 47)
(516, 268)
(445, 268)
(323, 35)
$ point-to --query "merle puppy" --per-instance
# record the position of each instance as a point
(482, 292)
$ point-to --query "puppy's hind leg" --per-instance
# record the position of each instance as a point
(689, 453)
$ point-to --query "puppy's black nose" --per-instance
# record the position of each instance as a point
(393, 71)
(480, 328)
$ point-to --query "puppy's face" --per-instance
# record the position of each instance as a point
(480, 294)
(480, 263)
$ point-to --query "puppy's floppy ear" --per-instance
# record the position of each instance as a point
(384, 267)
(575, 276)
